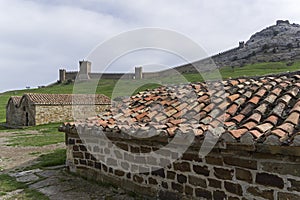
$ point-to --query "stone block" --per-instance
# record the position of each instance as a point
(119, 173)
(219, 195)
(78, 155)
(171, 175)
(224, 174)
(104, 167)
(151, 160)
(214, 183)
(214, 160)
(82, 148)
(250, 164)
(244, 175)
(75, 148)
(71, 141)
(82, 162)
(177, 187)
(140, 159)
(269, 180)
(191, 157)
(256, 191)
(295, 185)
(181, 178)
(122, 146)
(203, 193)
(159, 172)
(111, 162)
(87, 155)
(152, 181)
(168, 195)
(288, 196)
(118, 154)
(145, 149)
(233, 188)
(203, 170)
(91, 163)
(97, 165)
(135, 149)
(188, 190)
(197, 181)
(138, 179)
(282, 168)
(164, 185)
(182, 166)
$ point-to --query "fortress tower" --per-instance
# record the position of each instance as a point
(278, 22)
(84, 70)
(241, 44)
(62, 75)
(138, 73)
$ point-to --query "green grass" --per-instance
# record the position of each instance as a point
(29, 194)
(107, 86)
(9, 184)
(55, 158)
(48, 134)
(257, 69)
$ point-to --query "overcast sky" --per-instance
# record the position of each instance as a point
(37, 37)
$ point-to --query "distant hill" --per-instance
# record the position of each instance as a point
(280, 42)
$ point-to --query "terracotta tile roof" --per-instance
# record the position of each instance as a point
(15, 99)
(67, 99)
(259, 108)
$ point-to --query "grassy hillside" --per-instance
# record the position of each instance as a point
(106, 86)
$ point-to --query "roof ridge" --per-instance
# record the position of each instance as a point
(65, 99)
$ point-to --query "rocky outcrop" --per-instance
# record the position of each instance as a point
(280, 42)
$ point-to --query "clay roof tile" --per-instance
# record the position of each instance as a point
(263, 109)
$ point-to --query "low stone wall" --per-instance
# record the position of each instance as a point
(59, 113)
(229, 171)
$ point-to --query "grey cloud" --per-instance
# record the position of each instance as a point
(38, 37)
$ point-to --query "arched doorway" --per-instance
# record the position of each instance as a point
(27, 119)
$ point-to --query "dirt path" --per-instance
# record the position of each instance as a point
(18, 157)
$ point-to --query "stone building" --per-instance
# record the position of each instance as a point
(251, 128)
(34, 109)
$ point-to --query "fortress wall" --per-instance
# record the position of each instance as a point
(111, 75)
(165, 73)
(203, 65)
(71, 75)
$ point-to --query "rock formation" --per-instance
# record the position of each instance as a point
(280, 42)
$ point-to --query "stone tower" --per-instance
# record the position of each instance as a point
(278, 22)
(62, 75)
(241, 44)
(84, 70)
(138, 73)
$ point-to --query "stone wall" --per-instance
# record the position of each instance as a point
(20, 115)
(60, 113)
(70, 75)
(229, 171)
(204, 65)
(13, 115)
